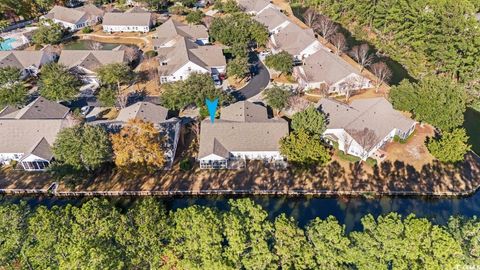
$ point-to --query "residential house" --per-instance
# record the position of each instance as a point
(169, 127)
(75, 18)
(254, 7)
(29, 133)
(363, 127)
(166, 34)
(273, 19)
(326, 69)
(299, 42)
(127, 22)
(186, 57)
(243, 131)
(86, 62)
(28, 62)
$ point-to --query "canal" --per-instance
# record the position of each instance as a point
(348, 210)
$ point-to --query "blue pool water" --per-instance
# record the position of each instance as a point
(6, 45)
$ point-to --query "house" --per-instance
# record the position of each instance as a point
(186, 57)
(127, 22)
(242, 132)
(273, 19)
(29, 133)
(299, 42)
(165, 35)
(86, 62)
(326, 69)
(75, 18)
(28, 62)
(363, 127)
(254, 7)
(148, 112)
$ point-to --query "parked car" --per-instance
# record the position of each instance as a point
(85, 110)
(216, 80)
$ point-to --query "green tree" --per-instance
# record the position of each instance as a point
(277, 97)
(451, 146)
(238, 67)
(291, 245)
(248, 232)
(228, 6)
(196, 237)
(238, 29)
(48, 33)
(444, 111)
(13, 225)
(194, 90)
(195, 17)
(303, 149)
(9, 75)
(107, 96)
(115, 74)
(57, 83)
(85, 147)
(281, 62)
(310, 120)
(14, 94)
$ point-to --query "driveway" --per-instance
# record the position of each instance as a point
(257, 83)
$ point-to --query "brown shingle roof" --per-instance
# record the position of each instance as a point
(21, 59)
(253, 5)
(271, 18)
(132, 19)
(145, 111)
(171, 29)
(90, 59)
(40, 108)
(293, 39)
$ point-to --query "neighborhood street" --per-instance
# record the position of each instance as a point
(257, 83)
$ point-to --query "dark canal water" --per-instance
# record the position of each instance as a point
(347, 210)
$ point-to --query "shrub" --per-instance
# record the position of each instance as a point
(150, 54)
(185, 165)
(87, 30)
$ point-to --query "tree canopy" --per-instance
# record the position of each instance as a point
(310, 120)
(304, 149)
(281, 62)
(450, 147)
(82, 147)
(238, 67)
(12, 90)
(138, 146)
(195, 17)
(435, 100)
(238, 29)
(194, 90)
(99, 235)
(57, 83)
(277, 97)
(48, 33)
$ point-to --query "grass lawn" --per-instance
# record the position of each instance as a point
(472, 125)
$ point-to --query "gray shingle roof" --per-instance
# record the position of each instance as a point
(376, 114)
(235, 133)
(293, 39)
(40, 108)
(145, 111)
(253, 5)
(324, 66)
(131, 19)
(185, 51)
(42, 149)
(70, 15)
(90, 59)
(170, 29)
(21, 59)
(271, 18)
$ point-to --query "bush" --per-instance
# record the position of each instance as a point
(87, 30)
(185, 165)
(371, 162)
(150, 54)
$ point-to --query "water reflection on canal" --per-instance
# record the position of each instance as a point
(347, 210)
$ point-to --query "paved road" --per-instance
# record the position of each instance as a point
(257, 83)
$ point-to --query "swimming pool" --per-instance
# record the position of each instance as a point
(6, 45)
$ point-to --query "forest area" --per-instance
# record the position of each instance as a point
(98, 235)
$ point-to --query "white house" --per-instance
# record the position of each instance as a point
(127, 22)
(28, 62)
(28, 133)
(363, 127)
(242, 132)
(185, 57)
(300, 43)
(166, 34)
(326, 69)
(254, 7)
(75, 18)
(86, 62)
(273, 19)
